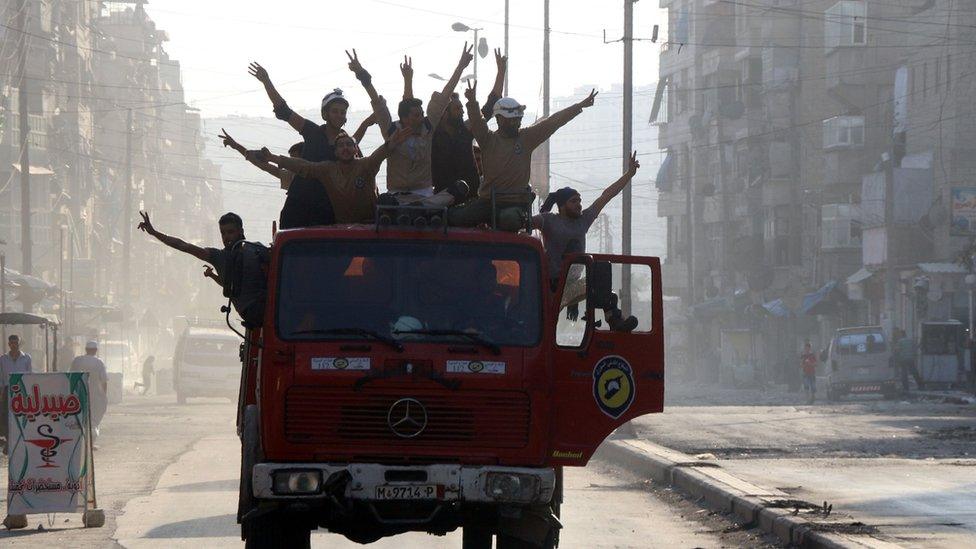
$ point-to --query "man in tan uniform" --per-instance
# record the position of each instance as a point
(408, 172)
(506, 157)
(349, 181)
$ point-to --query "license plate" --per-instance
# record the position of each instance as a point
(422, 491)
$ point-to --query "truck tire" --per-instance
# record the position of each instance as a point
(475, 538)
(511, 542)
(249, 456)
(275, 532)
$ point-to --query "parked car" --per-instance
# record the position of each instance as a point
(858, 361)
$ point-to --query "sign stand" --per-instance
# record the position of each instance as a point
(48, 408)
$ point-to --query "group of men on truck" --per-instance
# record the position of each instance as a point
(432, 168)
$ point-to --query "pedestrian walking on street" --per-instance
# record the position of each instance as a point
(808, 363)
(148, 370)
(13, 362)
(97, 382)
(905, 359)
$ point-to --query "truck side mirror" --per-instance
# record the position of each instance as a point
(600, 286)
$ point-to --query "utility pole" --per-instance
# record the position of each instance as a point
(506, 46)
(127, 210)
(25, 203)
(628, 120)
(545, 87)
(890, 276)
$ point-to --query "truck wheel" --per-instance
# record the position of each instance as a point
(274, 532)
(249, 456)
(475, 538)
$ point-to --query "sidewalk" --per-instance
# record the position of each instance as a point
(904, 469)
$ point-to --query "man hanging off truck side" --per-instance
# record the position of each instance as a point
(238, 263)
(565, 233)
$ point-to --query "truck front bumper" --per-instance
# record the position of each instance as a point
(376, 482)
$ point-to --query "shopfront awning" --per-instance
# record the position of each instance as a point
(34, 170)
(822, 302)
(778, 308)
(860, 276)
(942, 268)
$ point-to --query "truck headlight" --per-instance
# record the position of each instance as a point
(515, 487)
(297, 482)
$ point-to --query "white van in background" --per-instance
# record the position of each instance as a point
(207, 363)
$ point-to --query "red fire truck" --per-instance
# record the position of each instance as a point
(428, 380)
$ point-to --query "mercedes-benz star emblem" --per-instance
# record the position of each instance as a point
(407, 418)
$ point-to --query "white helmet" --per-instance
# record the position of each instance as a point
(506, 107)
(405, 324)
(334, 95)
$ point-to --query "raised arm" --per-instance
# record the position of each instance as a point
(501, 64)
(467, 55)
(264, 166)
(614, 189)
(281, 109)
(361, 130)
(406, 69)
(362, 75)
(171, 241)
(298, 166)
(542, 130)
(479, 127)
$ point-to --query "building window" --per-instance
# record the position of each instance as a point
(843, 132)
(840, 226)
(845, 25)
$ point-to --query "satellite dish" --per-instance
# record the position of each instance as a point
(483, 48)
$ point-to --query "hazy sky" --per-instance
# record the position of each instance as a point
(301, 44)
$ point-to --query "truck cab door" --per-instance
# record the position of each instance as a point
(603, 378)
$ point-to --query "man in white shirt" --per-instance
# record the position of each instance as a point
(97, 382)
(14, 362)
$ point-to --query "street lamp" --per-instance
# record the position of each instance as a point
(481, 45)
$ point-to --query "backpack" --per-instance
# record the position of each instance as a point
(241, 256)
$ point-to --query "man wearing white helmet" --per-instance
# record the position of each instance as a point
(506, 155)
(308, 204)
(97, 381)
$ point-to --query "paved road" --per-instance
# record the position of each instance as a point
(167, 477)
(907, 467)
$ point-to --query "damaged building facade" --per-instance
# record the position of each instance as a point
(785, 125)
(109, 134)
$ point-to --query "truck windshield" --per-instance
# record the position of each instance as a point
(410, 291)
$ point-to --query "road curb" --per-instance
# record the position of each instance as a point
(751, 504)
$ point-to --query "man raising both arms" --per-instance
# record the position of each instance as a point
(506, 157)
(349, 181)
(565, 233)
(310, 205)
(408, 172)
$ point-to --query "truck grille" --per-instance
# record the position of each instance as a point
(494, 419)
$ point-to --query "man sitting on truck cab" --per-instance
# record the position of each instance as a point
(251, 282)
(565, 233)
(350, 181)
(408, 170)
(506, 158)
